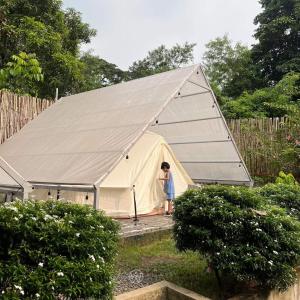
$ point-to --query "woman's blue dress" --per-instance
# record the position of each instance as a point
(169, 188)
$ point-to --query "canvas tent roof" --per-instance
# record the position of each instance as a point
(81, 138)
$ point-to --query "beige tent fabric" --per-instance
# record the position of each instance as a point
(193, 126)
(7, 180)
(81, 137)
(142, 169)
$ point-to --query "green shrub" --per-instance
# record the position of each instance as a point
(240, 234)
(286, 179)
(284, 195)
(55, 250)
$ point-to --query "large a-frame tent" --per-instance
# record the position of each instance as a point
(80, 140)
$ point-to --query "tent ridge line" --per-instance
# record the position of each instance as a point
(127, 149)
(187, 121)
(200, 142)
(226, 126)
(212, 162)
(63, 186)
(116, 84)
(195, 83)
(63, 153)
(213, 180)
(193, 94)
(10, 171)
(223, 181)
(58, 183)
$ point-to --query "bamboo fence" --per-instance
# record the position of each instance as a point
(16, 111)
(255, 139)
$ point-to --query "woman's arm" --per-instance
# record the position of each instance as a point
(166, 178)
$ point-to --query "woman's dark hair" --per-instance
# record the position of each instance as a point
(165, 165)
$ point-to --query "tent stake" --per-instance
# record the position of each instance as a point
(135, 219)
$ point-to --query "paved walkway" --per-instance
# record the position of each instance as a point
(145, 225)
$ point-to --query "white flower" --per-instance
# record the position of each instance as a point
(92, 257)
(41, 264)
(97, 266)
(103, 248)
(258, 229)
(16, 218)
(37, 295)
(61, 274)
(270, 262)
(33, 218)
(275, 252)
(18, 287)
(2, 292)
(12, 208)
(47, 217)
(218, 253)
(71, 222)
(77, 234)
(288, 31)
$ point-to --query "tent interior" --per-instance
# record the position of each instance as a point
(141, 169)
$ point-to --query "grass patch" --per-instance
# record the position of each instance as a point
(164, 261)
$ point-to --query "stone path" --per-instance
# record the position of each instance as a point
(145, 225)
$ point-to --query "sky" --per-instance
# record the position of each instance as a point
(128, 29)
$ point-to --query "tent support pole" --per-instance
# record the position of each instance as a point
(97, 198)
(25, 194)
(135, 219)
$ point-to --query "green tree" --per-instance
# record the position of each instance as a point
(278, 49)
(54, 35)
(277, 101)
(241, 235)
(162, 59)
(98, 73)
(22, 74)
(229, 67)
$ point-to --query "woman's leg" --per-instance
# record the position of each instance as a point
(170, 206)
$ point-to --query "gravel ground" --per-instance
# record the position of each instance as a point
(133, 280)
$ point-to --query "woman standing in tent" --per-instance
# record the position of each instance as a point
(169, 188)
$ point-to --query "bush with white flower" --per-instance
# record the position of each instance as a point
(56, 250)
(284, 195)
(240, 233)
